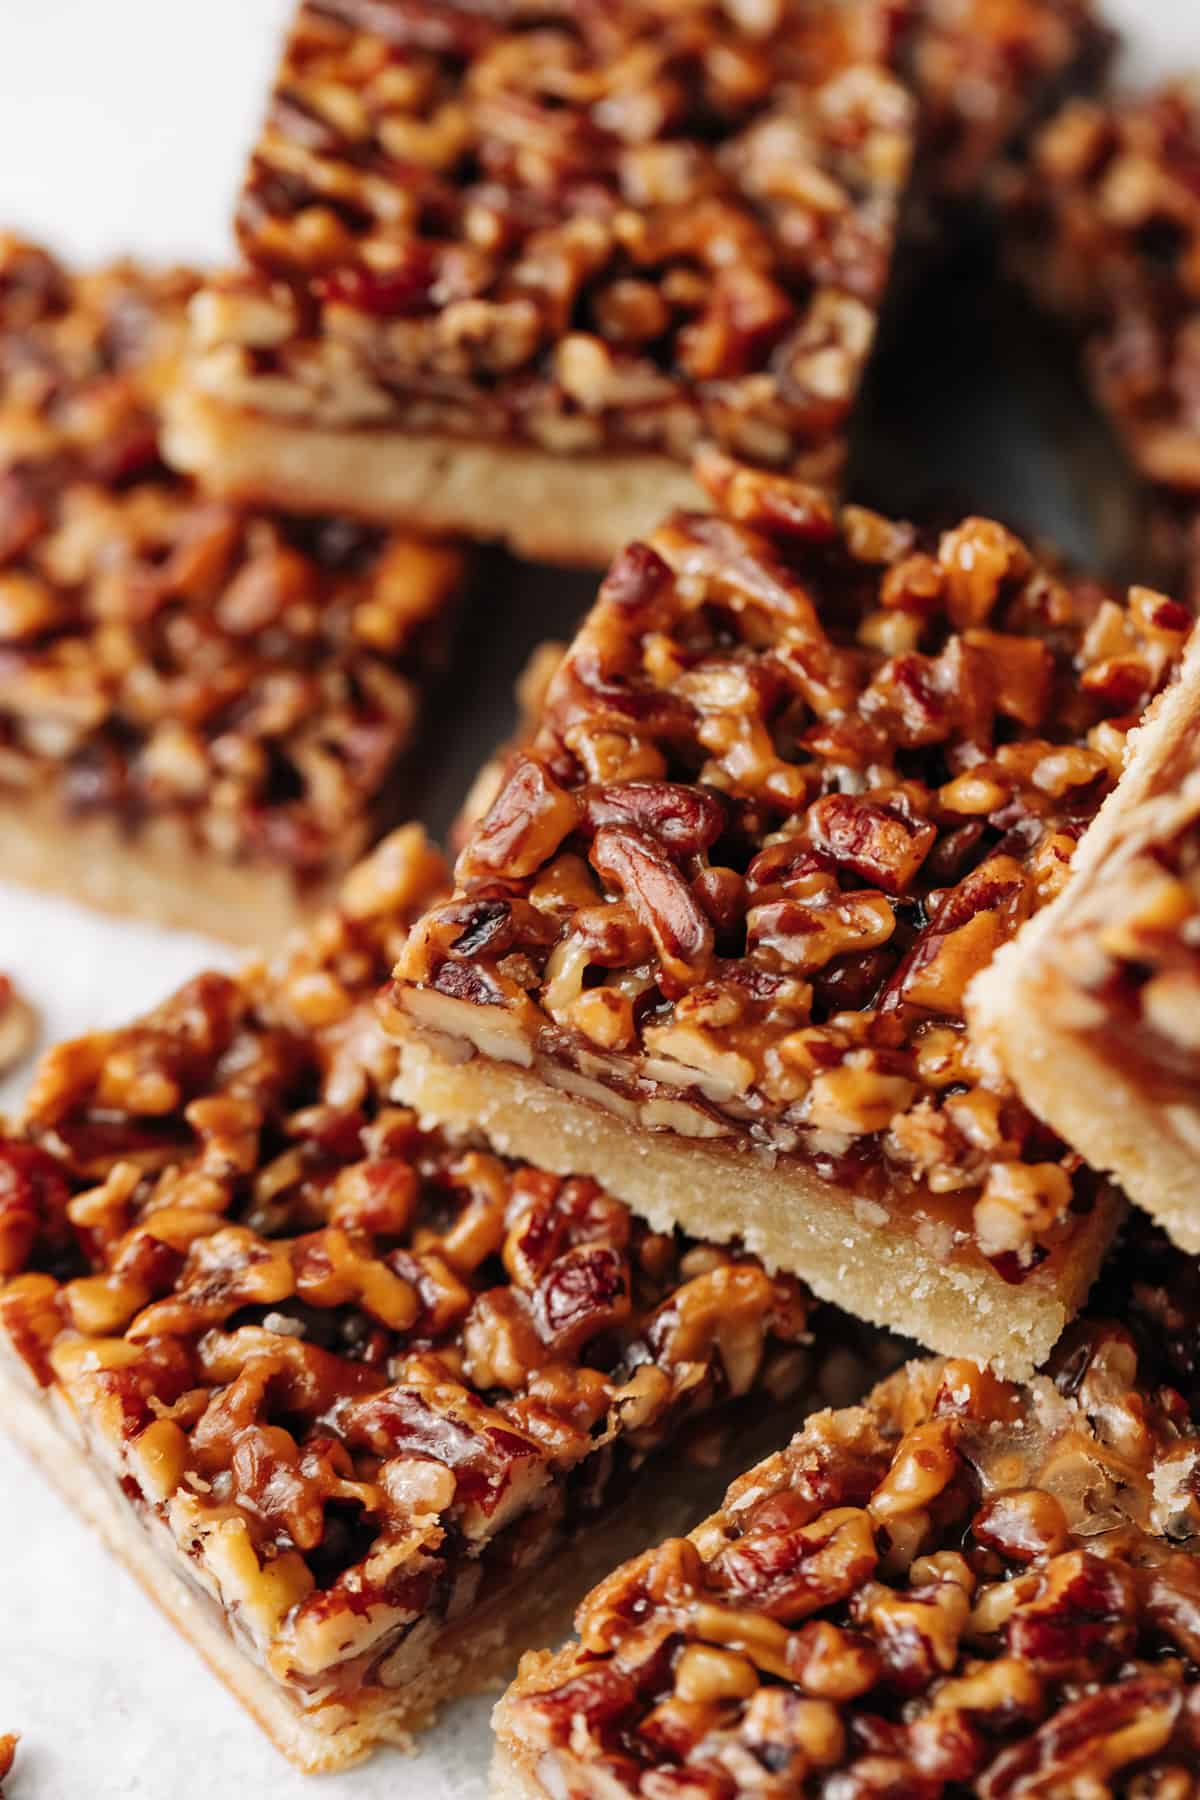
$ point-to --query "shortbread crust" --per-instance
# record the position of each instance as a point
(545, 506)
(906, 1274)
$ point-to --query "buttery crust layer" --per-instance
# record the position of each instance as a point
(1060, 970)
(151, 872)
(877, 1264)
(552, 508)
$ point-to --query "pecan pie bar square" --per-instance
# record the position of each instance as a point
(798, 777)
(334, 1387)
(960, 1587)
(507, 266)
(1104, 228)
(1111, 972)
(203, 709)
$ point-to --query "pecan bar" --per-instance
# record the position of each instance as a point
(508, 266)
(961, 1587)
(798, 777)
(1105, 230)
(1111, 972)
(203, 710)
(331, 1385)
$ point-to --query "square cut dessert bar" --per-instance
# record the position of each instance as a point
(960, 1587)
(1111, 972)
(1104, 228)
(507, 266)
(203, 710)
(334, 1387)
(798, 777)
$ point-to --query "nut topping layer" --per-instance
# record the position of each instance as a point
(635, 225)
(166, 655)
(359, 1374)
(798, 777)
(962, 1586)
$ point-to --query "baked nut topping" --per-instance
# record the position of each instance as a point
(961, 1586)
(252, 678)
(357, 1376)
(631, 227)
(799, 776)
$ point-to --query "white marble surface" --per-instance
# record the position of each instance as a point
(122, 127)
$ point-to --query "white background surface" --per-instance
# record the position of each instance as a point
(123, 124)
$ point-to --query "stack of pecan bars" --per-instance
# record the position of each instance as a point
(821, 962)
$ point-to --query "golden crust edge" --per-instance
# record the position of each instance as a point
(553, 508)
(152, 873)
(727, 1194)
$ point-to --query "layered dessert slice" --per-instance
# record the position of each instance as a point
(203, 710)
(960, 1587)
(798, 777)
(507, 267)
(1105, 230)
(1111, 972)
(333, 1387)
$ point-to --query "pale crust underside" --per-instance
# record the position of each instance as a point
(551, 507)
(154, 872)
(849, 1251)
(477, 1653)
(1070, 1069)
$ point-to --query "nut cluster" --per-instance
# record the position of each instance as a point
(334, 1353)
(798, 777)
(1106, 229)
(640, 224)
(165, 655)
(960, 1587)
